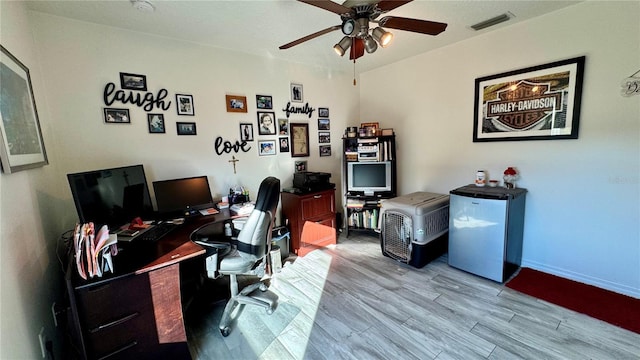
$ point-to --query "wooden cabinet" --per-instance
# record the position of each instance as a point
(318, 207)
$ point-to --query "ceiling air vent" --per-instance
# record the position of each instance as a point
(490, 22)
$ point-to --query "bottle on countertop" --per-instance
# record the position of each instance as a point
(481, 178)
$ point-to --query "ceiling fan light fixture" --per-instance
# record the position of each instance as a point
(370, 44)
(143, 6)
(342, 47)
(382, 37)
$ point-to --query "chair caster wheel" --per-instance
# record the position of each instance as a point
(225, 331)
(263, 287)
(270, 311)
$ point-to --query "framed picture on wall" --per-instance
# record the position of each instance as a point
(133, 82)
(266, 147)
(535, 103)
(296, 93)
(156, 123)
(323, 112)
(236, 103)
(22, 144)
(325, 150)
(299, 139)
(324, 137)
(324, 124)
(116, 116)
(266, 123)
(284, 144)
(283, 126)
(246, 132)
(186, 128)
(264, 102)
(300, 165)
(185, 104)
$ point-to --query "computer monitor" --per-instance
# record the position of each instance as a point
(112, 197)
(182, 197)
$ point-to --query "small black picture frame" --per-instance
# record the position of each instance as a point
(246, 132)
(264, 102)
(266, 123)
(284, 144)
(324, 137)
(324, 124)
(184, 105)
(186, 128)
(325, 150)
(130, 81)
(323, 112)
(156, 123)
(116, 116)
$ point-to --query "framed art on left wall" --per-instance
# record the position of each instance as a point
(22, 144)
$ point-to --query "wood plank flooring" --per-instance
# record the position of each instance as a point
(350, 302)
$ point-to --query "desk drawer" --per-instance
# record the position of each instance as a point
(317, 205)
(128, 339)
(103, 304)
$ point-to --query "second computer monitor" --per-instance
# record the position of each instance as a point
(182, 197)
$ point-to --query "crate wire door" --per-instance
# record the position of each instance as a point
(397, 235)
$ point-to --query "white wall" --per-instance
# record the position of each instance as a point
(82, 58)
(582, 210)
(30, 276)
(70, 64)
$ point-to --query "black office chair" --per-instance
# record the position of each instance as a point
(249, 256)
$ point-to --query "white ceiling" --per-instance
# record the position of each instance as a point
(261, 26)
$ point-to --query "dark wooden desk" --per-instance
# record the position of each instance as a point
(136, 312)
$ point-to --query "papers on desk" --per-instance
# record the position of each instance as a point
(209, 211)
(93, 253)
(242, 209)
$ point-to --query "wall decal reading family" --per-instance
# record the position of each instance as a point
(225, 146)
(144, 100)
(306, 109)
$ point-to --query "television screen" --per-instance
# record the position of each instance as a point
(369, 177)
(182, 195)
(112, 197)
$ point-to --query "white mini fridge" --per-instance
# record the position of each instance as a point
(485, 230)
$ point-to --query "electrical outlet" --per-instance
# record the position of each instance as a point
(43, 340)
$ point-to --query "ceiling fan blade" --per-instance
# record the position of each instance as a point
(357, 49)
(309, 37)
(415, 25)
(329, 6)
(388, 5)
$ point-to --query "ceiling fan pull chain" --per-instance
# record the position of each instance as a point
(354, 72)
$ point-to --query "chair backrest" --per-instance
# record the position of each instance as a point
(256, 232)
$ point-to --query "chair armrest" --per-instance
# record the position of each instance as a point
(213, 244)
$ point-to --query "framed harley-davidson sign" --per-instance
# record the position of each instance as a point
(536, 103)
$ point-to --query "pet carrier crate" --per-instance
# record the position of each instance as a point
(414, 227)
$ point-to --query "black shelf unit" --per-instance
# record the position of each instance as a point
(362, 212)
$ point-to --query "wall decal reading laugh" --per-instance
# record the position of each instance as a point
(145, 101)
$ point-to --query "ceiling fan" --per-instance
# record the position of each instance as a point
(357, 15)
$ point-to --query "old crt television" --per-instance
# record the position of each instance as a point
(368, 177)
(182, 197)
(112, 197)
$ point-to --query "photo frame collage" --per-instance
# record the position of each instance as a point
(156, 122)
(278, 135)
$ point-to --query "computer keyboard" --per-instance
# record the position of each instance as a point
(157, 231)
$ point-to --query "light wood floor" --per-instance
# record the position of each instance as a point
(351, 302)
